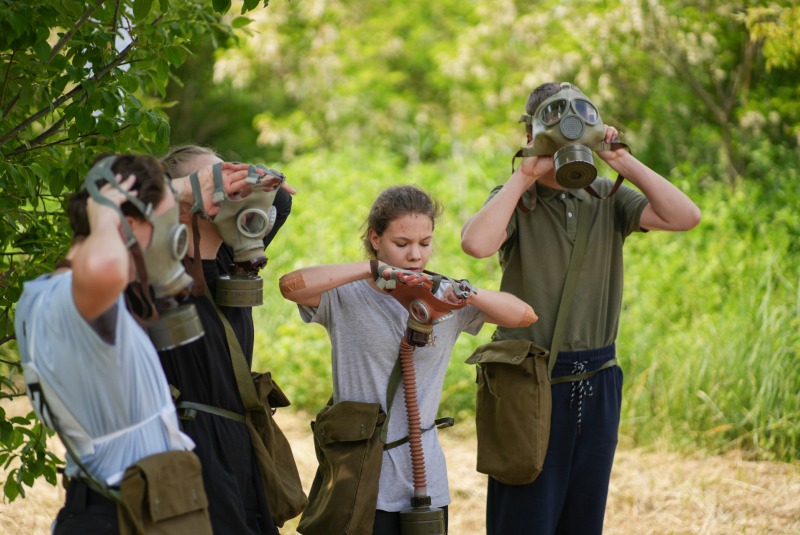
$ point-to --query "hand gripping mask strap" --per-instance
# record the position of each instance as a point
(102, 171)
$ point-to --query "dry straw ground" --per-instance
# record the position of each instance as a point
(652, 492)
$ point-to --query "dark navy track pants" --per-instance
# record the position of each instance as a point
(569, 495)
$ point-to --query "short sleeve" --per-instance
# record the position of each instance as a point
(320, 314)
(511, 227)
(629, 205)
(470, 320)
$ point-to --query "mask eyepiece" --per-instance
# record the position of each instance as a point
(586, 110)
(553, 112)
(179, 241)
(252, 222)
(419, 311)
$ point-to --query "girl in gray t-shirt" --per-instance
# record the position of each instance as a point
(365, 325)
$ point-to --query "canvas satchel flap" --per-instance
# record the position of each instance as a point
(164, 494)
(512, 410)
(344, 493)
(506, 351)
(346, 421)
(269, 393)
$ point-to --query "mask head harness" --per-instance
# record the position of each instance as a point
(568, 127)
(161, 280)
(242, 223)
(424, 311)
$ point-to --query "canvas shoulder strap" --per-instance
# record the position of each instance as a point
(244, 380)
(575, 261)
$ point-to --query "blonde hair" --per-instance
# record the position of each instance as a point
(179, 156)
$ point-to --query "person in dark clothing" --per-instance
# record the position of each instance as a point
(202, 371)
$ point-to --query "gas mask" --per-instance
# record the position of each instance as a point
(242, 223)
(568, 126)
(169, 323)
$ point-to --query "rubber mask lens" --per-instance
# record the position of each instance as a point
(553, 112)
(419, 311)
(252, 223)
(180, 241)
(586, 111)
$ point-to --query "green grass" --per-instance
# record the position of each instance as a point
(710, 330)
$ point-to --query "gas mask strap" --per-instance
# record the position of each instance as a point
(614, 145)
(197, 262)
(144, 283)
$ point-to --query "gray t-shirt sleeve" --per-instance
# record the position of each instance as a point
(470, 320)
(511, 227)
(319, 314)
(629, 205)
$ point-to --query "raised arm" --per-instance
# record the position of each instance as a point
(101, 263)
(669, 208)
(484, 233)
(501, 308)
(304, 286)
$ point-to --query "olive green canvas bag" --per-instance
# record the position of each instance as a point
(163, 494)
(514, 401)
(344, 495)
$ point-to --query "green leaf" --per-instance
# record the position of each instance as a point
(250, 4)
(6, 429)
(50, 475)
(162, 136)
(56, 183)
(141, 8)
(73, 133)
(241, 22)
(134, 116)
(164, 4)
(106, 128)
(75, 73)
(90, 86)
(26, 92)
(221, 6)
(18, 23)
(162, 68)
(10, 489)
(42, 50)
(175, 55)
(58, 85)
(84, 120)
(19, 420)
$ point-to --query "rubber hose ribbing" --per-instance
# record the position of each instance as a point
(412, 409)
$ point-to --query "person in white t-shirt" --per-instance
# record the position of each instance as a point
(365, 325)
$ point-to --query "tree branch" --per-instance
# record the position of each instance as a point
(9, 396)
(59, 101)
(11, 103)
(20, 150)
(116, 17)
(5, 82)
(17, 364)
(71, 32)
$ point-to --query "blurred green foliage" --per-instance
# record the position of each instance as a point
(352, 97)
(79, 78)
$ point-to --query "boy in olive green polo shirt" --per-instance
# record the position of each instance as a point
(569, 496)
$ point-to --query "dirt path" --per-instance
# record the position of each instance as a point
(651, 493)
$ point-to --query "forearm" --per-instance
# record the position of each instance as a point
(305, 286)
(484, 233)
(504, 309)
(669, 208)
(100, 271)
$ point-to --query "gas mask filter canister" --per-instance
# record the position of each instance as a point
(169, 323)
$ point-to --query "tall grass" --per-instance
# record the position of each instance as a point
(710, 331)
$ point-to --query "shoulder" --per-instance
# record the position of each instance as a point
(603, 185)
